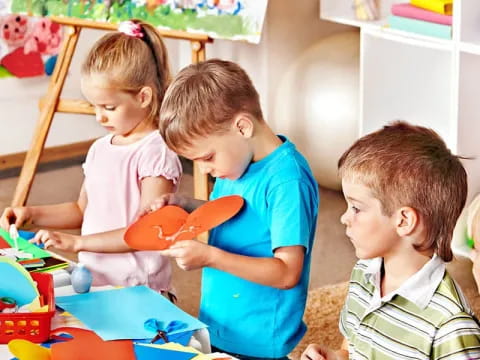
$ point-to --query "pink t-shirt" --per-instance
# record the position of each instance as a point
(113, 175)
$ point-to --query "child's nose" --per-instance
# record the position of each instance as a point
(99, 116)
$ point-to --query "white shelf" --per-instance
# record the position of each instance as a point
(470, 48)
(424, 80)
(352, 21)
(409, 38)
(393, 87)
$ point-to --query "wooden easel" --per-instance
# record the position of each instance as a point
(52, 102)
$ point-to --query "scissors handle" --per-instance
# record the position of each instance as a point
(7, 302)
(160, 335)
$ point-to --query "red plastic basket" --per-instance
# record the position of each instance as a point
(34, 327)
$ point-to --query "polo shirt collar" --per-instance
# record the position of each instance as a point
(418, 289)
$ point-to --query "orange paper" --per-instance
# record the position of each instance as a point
(163, 227)
(86, 345)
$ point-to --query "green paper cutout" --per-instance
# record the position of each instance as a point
(25, 246)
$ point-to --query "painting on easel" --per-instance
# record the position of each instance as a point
(28, 45)
(225, 19)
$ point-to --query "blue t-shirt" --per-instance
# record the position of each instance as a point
(281, 207)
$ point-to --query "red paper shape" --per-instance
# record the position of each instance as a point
(86, 345)
(23, 65)
(163, 227)
(3, 243)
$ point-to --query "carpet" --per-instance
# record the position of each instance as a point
(323, 310)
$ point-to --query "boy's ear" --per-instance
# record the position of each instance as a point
(145, 96)
(243, 125)
(407, 220)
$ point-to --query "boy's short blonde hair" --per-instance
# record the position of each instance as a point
(203, 99)
(406, 165)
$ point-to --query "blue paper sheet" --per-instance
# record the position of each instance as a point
(121, 313)
(143, 352)
(16, 282)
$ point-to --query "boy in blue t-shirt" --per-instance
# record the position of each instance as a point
(256, 266)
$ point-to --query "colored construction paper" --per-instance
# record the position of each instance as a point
(160, 229)
(145, 352)
(121, 313)
(24, 245)
(4, 244)
(414, 12)
(438, 6)
(86, 345)
(420, 27)
(16, 282)
(26, 350)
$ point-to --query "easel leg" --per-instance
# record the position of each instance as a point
(46, 115)
(200, 181)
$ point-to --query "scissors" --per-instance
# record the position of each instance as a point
(163, 330)
(7, 302)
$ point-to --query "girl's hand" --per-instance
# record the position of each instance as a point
(16, 215)
(190, 254)
(164, 200)
(58, 240)
(317, 352)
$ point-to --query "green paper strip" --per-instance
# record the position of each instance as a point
(25, 246)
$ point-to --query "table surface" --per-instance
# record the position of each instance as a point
(200, 339)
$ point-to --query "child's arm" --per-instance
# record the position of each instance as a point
(281, 271)
(186, 203)
(109, 241)
(61, 216)
(317, 352)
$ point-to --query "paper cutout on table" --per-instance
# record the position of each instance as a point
(200, 356)
(160, 229)
(3, 243)
(24, 245)
(86, 345)
(26, 350)
(51, 264)
(146, 352)
(121, 313)
(16, 282)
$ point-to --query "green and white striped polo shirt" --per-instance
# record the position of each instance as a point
(426, 318)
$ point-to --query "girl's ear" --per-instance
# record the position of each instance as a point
(243, 125)
(145, 96)
(407, 221)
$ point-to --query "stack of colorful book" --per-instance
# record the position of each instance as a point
(425, 17)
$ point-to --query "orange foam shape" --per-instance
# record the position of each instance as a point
(160, 229)
(86, 345)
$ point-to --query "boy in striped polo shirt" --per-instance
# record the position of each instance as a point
(404, 190)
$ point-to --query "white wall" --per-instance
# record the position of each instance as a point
(290, 28)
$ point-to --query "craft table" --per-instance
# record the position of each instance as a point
(200, 339)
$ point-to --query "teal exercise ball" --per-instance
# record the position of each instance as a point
(317, 103)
